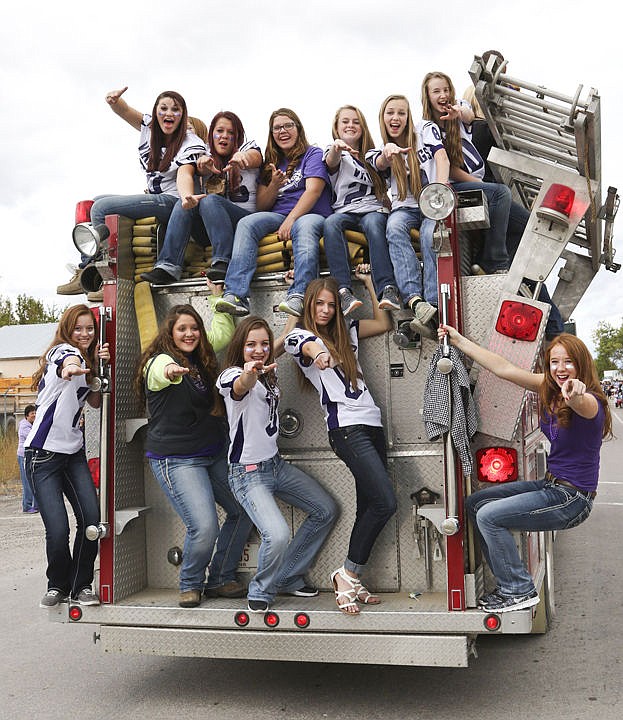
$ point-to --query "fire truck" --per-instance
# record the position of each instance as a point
(425, 565)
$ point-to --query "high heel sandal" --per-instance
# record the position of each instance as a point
(363, 595)
(348, 597)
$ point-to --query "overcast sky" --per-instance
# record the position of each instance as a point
(62, 143)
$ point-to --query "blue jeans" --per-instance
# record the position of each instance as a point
(212, 222)
(373, 225)
(362, 448)
(54, 475)
(282, 563)
(28, 498)
(407, 269)
(306, 234)
(192, 486)
(131, 206)
(493, 255)
(522, 505)
(517, 221)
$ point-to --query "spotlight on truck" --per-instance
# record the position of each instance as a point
(437, 201)
(89, 239)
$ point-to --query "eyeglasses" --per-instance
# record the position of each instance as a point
(286, 126)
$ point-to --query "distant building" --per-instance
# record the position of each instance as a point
(21, 346)
(613, 375)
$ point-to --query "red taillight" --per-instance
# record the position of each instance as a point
(271, 619)
(83, 211)
(497, 464)
(557, 203)
(75, 613)
(519, 320)
(241, 619)
(301, 620)
(492, 623)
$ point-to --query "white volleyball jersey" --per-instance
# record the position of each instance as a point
(473, 162)
(353, 189)
(59, 405)
(253, 420)
(165, 182)
(341, 404)
(428, 142)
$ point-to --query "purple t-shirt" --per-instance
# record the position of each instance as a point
(311, 165)
(574, 454)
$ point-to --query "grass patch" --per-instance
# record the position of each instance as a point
(10, 482)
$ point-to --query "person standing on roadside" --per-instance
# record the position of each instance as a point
(25, 426)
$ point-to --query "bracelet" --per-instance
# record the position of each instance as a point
(322, 352)
(68, 364)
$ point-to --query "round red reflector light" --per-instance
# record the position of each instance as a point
(497, 464)
(241, 619)
(519, 320)
(75, 613)
(301, 620)
(492, 623)
(271, 619)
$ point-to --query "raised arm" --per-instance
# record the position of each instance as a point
(120, 107)
(491, 361)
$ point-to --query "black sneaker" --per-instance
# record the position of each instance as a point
(505, 603)
(158, 276)
(233, 305)
(257, 606)
(217, 272)
(488, 597)
(52, 598)
(87, 597)
(390, 300)
(305, 591)
(348, 302)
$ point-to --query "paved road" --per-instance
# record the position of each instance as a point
(574, 672)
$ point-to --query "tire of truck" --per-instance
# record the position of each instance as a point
(546, 609)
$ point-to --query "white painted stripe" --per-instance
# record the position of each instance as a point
(616, 504)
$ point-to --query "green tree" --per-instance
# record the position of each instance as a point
(27, 311)
(609, 343)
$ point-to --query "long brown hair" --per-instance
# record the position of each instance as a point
(64, 334)
(274, 154)
(159, 140)
(549, 392)
(452, 140)
(365, 143)
(239, 138)
(235, 349)
(407, 139)
(206, 363)
(335, 333)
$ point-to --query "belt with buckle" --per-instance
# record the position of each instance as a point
(557, 481)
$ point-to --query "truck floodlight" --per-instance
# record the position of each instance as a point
(437, 201)
(497, 464)
(519, 320)
(83, 211)
(89, 239)
(557, 204)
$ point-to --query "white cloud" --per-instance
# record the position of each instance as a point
(63, 144)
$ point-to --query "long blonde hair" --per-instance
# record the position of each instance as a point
(335, 333)
(64, 334)
(407, 139)
(365, 143)
(451, 128)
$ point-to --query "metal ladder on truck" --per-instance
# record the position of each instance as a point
(543, 136)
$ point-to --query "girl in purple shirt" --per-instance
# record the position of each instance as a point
(576, 418)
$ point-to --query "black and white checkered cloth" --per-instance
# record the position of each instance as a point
(437, 407)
